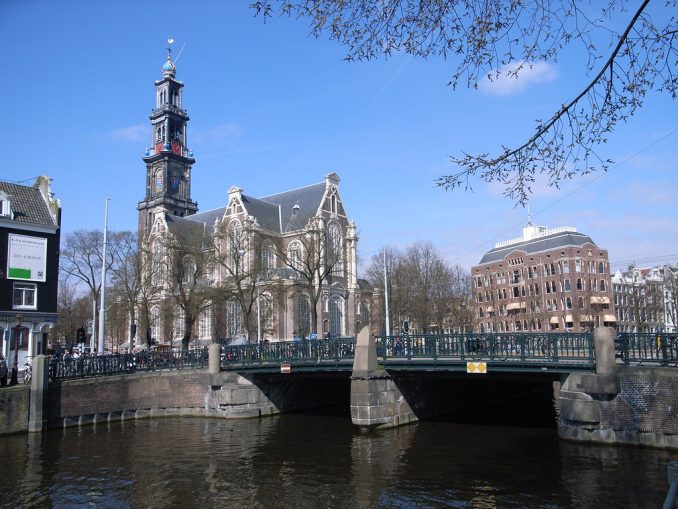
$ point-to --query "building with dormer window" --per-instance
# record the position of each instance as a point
(30, 229)
(547, 280)
(286, 261)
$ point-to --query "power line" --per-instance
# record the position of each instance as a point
(566, 195)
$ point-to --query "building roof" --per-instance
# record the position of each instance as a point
(307, 199)
(207, 218)
(28, 204)
(281, 213)
(538, 245)
(188, 232)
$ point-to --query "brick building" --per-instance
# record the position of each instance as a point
(550, 279)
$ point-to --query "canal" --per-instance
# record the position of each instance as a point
(321, 461)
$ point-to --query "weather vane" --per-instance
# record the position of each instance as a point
(170, 41)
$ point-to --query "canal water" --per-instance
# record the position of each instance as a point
(321, 461)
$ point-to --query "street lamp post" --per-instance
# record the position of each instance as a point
(258, 313)
(15, 363)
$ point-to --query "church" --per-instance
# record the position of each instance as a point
(278, 267)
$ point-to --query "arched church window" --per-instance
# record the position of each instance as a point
(267, 256)
(155, 322)
(187, 269)
(303, 322)
(179, 323)
(233, 318)
(336, 316)
(294, 255)
(235, 246)
(205, 323)
(157, 265)
(334, 248)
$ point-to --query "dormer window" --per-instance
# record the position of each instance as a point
(5, 209)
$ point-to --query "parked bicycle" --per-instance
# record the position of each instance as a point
(28, 373)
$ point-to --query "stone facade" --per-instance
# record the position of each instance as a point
(290, 259)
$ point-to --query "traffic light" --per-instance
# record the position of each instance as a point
(406, 326)
(80, 334)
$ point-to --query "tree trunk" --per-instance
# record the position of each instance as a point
(188, 329)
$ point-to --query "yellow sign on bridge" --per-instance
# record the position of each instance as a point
(476, 367)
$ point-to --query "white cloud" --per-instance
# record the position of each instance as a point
(132, 133)
(516, 77)
(219, 134)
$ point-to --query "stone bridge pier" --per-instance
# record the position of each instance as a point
(376, 400)
(620, 404)
(615, 404)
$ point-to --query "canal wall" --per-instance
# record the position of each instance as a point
(14, 409)
(637, 406)
(189, 392)
(620, 404)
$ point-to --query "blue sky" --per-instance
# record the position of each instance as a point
(274, 109)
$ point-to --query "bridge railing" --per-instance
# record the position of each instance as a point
(549, 347)
(311, 351)
(647, 347)
(117, 364)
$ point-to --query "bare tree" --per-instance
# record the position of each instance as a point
(497, 38)
(423, 288)
(128, 277)
(388, 261)
(237, 252)
(81, 261)
(74, 311)
(460, 311)
(188, 267)
(313, 256)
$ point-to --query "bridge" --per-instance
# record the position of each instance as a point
(606, 388)
(527, 353)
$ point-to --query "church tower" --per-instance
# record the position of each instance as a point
(168, 161)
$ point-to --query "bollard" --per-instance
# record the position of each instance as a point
(215, 358)
(37, 416)
(603, 338)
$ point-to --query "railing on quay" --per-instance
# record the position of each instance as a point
(304, 352)
(549, 348)
(118, 364)
(647, 348)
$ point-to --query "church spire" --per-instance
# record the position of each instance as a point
(168, 160)
(169, 70)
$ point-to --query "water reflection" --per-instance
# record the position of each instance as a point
(321, 461)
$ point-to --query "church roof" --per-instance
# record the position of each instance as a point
(28, 204)
(267, 214)
(537, 245)
(280, 213)
(208, 217)
(308, 200)
(188, 232)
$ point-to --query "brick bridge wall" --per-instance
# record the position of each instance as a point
(643, 412)
(193, 392)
